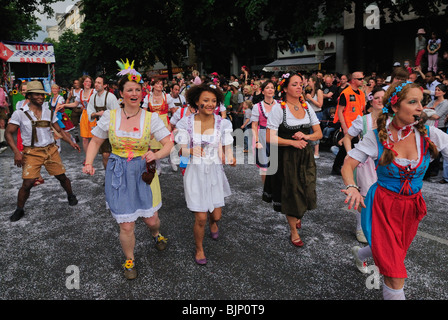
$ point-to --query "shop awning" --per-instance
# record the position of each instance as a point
(304, 63)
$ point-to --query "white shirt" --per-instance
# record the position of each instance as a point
(177, 102)
(275, 118)
(432, 88)
(368, 147)
(225, 134)
(44, 135)
(110, 104)
(256, 112)
(158, 128)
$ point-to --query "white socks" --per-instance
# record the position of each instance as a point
(358, 221)
(393, 294)
(364, 253)
(2, 135)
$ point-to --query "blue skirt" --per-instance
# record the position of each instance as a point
(128, 197)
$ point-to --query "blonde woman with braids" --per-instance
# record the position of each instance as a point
(402, 147)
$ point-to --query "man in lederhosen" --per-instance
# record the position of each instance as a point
(37, 125)
(101, 101)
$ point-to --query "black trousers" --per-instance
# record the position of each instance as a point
(339, 160)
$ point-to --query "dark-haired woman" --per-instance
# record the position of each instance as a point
(128, 195)
(259, 119)
(437, 111)
(401, 147)
(207, 138)
(292, 188)
(439, 106)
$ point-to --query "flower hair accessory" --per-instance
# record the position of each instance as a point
(127, 68)
(393, 99)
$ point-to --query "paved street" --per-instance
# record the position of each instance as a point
(252, 260)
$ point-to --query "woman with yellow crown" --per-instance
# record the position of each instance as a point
(132, 186)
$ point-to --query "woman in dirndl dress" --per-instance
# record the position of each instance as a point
(85, 126)
(207, 139)
(292, 186)
(402, 148)
(129, 194)
(259, 119)
(365, 173)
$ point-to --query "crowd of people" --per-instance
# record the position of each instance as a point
(388, 134)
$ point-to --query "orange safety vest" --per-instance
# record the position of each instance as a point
(355, 106)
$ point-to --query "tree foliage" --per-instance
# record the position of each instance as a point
(66, 50)
(18, 19)
(144, 31)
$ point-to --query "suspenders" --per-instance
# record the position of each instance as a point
(38, 124)
(103, 108)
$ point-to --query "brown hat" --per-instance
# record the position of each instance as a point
(35, 87)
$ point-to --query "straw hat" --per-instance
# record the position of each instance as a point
(421, 31)
(35, 87)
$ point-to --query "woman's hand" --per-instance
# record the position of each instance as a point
(88, 169)
(299, 144)
(299, 135)
(258, 145)
(354, 198)
(150, 156)
(59, 107)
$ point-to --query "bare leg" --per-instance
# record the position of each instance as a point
(127, 239)
(198, 231)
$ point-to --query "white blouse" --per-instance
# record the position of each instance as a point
(275, 118)
(158, 128)
(368, 147)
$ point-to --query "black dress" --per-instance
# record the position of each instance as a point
(292, 188)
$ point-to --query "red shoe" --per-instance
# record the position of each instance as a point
(297, 242)
(299, 224)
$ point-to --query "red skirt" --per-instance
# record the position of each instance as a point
(395, 220)
(67, 122)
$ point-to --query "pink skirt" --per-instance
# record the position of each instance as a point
(365, 176)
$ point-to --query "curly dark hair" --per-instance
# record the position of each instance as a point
(194, 93)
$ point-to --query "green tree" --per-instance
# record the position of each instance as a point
(144, 31)
(66, 51)
(18, 19)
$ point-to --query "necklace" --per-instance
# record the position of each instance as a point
(402, 132)
(128, 117)
(269, 104)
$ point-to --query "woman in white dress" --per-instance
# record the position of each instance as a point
(365, 173)
(207, 138)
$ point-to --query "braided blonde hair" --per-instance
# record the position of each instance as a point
(394, 90)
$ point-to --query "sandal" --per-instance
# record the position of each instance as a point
(297, 242)
(130, 272)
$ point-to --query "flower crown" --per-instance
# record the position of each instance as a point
(128, 69)
(393, 99)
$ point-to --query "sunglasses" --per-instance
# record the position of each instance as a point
(360, 79)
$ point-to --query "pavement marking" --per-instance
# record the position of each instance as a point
(419, 233)
(431, 237)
